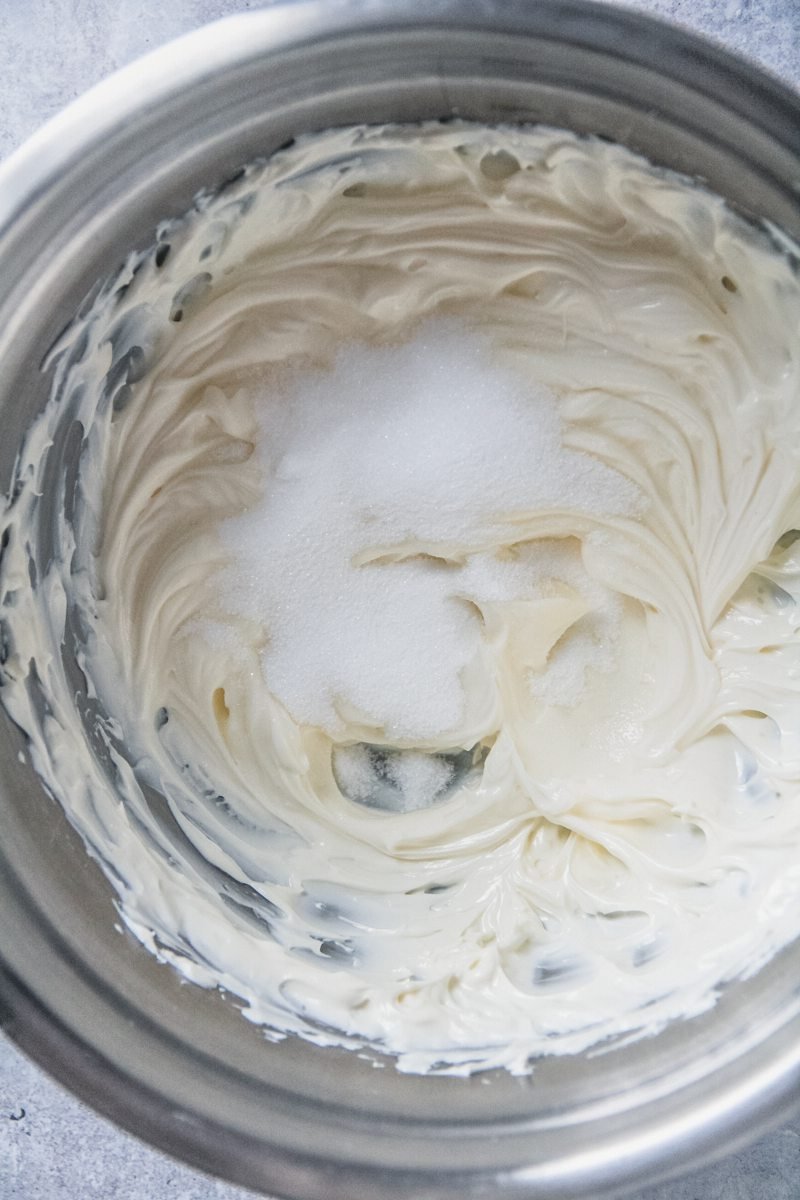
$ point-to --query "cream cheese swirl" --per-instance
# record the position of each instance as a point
(643, 802)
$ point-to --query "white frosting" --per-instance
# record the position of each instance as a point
(623, 663)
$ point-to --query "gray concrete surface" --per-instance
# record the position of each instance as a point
(51, 1146)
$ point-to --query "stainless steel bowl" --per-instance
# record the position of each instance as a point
(176, 1064)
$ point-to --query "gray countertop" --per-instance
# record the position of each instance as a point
(51, 1146)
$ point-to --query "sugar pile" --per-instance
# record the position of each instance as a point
(390, 484)
(400, 781)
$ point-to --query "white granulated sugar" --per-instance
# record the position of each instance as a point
(419, 778)
(355, 772)
(380, 476)
(589, 644)
(403, 781)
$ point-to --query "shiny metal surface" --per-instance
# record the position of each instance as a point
(178, 1065)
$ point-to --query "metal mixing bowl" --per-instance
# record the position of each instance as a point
(176, 1064)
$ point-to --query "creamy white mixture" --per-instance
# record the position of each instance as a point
(431, 579)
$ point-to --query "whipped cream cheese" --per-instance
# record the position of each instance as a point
(476, 748)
